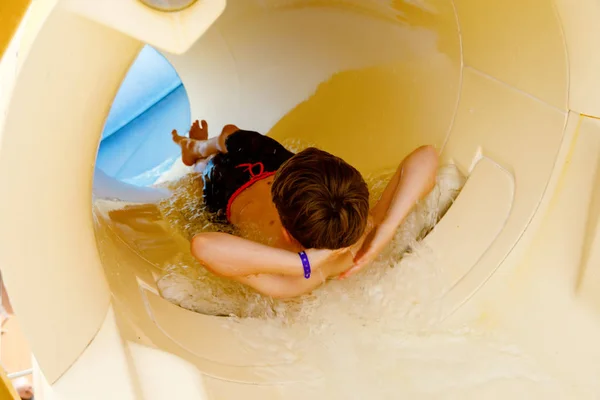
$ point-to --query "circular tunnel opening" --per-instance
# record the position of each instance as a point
(135, 146)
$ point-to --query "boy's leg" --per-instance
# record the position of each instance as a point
(200, 165)
(193, 150)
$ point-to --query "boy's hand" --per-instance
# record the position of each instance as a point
(374, 244)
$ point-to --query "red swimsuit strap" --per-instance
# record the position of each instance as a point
(253, 179)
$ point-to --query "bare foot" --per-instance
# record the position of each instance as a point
(189, 155)
(198, 133)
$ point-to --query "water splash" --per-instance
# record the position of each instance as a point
(404, 267)
(374, 335)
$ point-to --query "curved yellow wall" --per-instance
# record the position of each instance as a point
(11, 12)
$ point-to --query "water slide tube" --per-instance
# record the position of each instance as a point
(509, 91)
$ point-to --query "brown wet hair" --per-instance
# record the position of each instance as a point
(323, 202)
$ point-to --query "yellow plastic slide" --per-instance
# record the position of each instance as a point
(502, 299)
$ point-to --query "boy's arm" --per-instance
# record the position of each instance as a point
(231, 256)
(281, 287)
(413, 180)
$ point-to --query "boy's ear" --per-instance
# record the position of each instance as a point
(288, 238)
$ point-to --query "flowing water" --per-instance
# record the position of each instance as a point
(379, 328)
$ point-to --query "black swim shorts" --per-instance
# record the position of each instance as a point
(250, 158)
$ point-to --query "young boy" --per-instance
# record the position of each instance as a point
(311, 209)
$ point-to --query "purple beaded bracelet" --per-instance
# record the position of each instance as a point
(305, 264)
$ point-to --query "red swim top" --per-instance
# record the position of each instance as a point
(250, 157)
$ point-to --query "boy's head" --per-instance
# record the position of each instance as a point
(323, 202)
